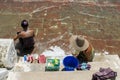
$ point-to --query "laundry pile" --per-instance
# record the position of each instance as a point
(8, 56)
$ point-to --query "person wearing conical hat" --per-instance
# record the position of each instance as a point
(84, 51)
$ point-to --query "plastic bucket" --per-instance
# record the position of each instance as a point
(68, 69)
(70, 63)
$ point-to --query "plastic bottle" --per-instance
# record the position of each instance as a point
(30, 59)
(25, 58)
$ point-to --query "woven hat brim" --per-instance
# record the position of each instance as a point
(75, 46)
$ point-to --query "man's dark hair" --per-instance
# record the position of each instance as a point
(24, 23)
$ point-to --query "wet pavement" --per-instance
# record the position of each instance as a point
(55, 22)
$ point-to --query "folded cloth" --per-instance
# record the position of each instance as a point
(104, 73)
(84, 66)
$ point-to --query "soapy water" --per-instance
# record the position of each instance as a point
(54, 51)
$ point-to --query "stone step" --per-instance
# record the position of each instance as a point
(58, 75)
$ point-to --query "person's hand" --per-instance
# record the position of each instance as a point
(18, 32)
(75, 55)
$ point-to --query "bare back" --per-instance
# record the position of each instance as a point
(25, 34)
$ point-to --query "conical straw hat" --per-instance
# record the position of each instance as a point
(79, 43)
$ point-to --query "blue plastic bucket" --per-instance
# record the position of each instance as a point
(70, 63)
(68, 69)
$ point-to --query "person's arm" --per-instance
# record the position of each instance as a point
(17, 36)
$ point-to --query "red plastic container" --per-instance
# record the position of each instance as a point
(41, 59)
